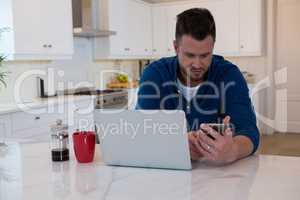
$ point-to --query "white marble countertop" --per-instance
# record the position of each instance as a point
(6, 108)
(27, 173)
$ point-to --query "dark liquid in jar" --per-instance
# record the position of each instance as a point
(60, 154)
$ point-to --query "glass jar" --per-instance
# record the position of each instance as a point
(59, 141)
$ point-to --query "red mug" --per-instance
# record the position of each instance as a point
(84, 146)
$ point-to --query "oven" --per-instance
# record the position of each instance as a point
(107, 99)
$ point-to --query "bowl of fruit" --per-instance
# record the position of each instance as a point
(122, 78)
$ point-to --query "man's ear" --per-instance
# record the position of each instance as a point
(176, 46)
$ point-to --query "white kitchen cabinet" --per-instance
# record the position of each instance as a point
(131, 19)
(5, 126)
(172, 11)
(225, 12)
(143, 29)
(251, 23)
(37, 30)
(35, 123)
(226, 15)
(119, 44)
(164, 18)
(159, 31)
(238, 25)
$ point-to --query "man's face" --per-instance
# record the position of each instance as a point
(194, 57)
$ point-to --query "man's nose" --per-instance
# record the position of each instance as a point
(197, 62)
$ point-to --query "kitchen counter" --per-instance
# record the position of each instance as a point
(27, 172)
(6, 108)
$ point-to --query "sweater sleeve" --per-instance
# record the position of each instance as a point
(149, 93)
(239, 107)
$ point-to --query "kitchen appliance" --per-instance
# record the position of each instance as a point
(86, 18)
(59, 141)
(106, 99)
(45, 90)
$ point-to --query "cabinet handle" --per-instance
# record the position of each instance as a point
(45, 46)
(242, 46)
(49, 46)
(127, 49)
(37, 118)
(146, 49)
(154, 50)
(169, 49)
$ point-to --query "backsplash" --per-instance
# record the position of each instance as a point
(82, 70)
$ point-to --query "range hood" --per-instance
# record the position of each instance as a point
(86, 19)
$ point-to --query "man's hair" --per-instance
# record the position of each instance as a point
(196, 22)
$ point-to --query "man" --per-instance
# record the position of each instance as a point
(207, 88)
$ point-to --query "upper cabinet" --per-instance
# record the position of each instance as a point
(132, 20)
(238, 26)
(159, 31)
(251, 27)
(37, 30)
(226, 15)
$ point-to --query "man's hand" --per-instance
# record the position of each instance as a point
(194, 146)
(222, 149)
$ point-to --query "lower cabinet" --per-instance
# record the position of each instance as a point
(36, 124)
(5, 126)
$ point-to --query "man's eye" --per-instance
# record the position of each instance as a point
(204, 56)
(190, 55)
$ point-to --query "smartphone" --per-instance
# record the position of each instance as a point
(220, 128)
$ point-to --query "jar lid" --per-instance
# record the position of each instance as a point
(59, 126)
(59, 136)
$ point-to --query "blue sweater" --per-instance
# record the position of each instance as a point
(159, 90)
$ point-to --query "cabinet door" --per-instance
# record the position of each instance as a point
(57, 20)
(226, 15)
(131, 19)
(29, 27)
(251, 27)
(119, 21)
(43, 28)
(135, 27)
(159, 31)
(35, 118)
(146, 30)
(35, 124)
(138, 28)
(172, 11)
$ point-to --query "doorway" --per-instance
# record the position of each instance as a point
(288, 59)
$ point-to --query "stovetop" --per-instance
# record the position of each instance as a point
(97, 92)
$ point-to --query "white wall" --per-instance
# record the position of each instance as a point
(288, 61)
(264, 67)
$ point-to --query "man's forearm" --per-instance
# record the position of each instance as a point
(243, 146)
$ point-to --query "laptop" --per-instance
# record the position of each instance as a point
(143, 138)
